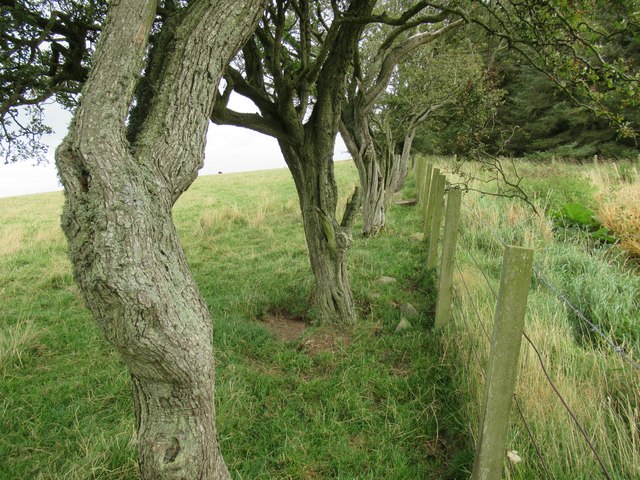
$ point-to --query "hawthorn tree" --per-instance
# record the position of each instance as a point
(121, 181)
(437, 89)
(382, 172)
(294, 70)
(45, 53)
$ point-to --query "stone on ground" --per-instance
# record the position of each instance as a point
(403, 325)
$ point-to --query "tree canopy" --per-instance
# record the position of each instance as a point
(45, 55)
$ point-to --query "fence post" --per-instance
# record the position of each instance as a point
(427, 190)
(435, 173)
(419, 179)
(452, 217)
(436, 220)
(503, 363)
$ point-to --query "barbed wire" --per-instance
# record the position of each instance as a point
(577, 312)
(593, 327)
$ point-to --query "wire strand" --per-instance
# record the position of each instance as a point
(532, 438)
(553, 386)
(567, 408)
(473, 303)
(577, 312)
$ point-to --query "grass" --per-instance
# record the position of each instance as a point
(368, 403)
(345, 403)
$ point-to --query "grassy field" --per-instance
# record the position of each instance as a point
(357, 403)
(304, 402)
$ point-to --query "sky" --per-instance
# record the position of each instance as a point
(228, 149)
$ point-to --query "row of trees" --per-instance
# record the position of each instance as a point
(313, 69)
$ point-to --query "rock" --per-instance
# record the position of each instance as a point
(403, 325)
(408, 311)
(373, 296)
(384, 280)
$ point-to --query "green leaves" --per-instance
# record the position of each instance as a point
(578, 216)
(575, 214)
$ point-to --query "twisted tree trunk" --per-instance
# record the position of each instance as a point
(327, 241)
(126, 255)
(372, 170)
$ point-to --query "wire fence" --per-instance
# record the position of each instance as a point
(618, 349)
(428, 192)
(479, 317)
(556, 390)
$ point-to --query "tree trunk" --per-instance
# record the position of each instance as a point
(124, 249)
(382, 173)
(371, 171)
(374, 205)
(327, 241)
(400, 166)
(130, 267)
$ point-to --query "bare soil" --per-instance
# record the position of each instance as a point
(284, 327)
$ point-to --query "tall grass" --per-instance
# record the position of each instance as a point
(360, 402)
(602, 390)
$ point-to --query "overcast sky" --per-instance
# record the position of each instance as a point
(229, 149)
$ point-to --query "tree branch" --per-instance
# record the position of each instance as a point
(253, 121)
(396, 54)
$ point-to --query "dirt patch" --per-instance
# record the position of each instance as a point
(325, 342)
(284, 327)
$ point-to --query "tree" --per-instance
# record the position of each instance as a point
(539, 118)
(124, 249)
(447, 92)
(294, 70)
(444, 90)
(374, 65)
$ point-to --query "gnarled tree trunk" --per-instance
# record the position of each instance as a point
(297, 79)
(327, 241)
(126, 255)
(372, 170)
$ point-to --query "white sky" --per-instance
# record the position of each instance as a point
(229, 149)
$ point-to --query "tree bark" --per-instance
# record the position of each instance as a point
(123, 245)
(380, 175)
(300, 102)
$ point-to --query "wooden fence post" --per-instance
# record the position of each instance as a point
(503, 363)
(427, 190)
(452, 217)
(419, 179)
(436, 220)
(435, 173)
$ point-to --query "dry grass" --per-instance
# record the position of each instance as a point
(11, 241)
(621, 214)
(15, 340)
(602, 391)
